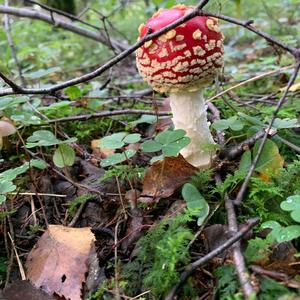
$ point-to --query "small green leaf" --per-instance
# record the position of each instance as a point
(11, 174)
(38, 163)
(237, 125)
(117, 158)
(73, 92)
(64, 156)
(251, 120)
(195, 202)
(149, 119)
(221, 124)
(56, 105)
(245, 162)
(172, 149)
(233, 122)
(295, 215)
(289, 233)
(271, 224)
(169, 136)
(42, 135)
(6, 187)
(276, 230)
(114, 141)
(2, 199)
(45, 138)
(156, 158)
(151, 146)
(12, 101)
(292, 204)
(132, 138)
(285, 123)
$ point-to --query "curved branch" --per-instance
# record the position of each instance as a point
(59, 22)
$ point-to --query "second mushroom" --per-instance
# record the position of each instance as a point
(183, 62)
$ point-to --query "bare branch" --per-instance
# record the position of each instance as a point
(59, 22)
(12, 45)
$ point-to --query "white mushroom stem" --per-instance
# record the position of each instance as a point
(189, 114)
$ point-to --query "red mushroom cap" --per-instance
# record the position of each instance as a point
(187, 57)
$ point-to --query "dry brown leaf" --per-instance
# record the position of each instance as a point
(164, 177)
(59, 262)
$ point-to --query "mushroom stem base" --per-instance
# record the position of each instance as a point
(189, 114)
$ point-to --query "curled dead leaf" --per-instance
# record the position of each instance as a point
(164, 177)
(59, 262)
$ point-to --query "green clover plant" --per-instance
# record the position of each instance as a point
(64, 154)
(284, 234)
(118, 141)
(7, 177)
(169, 142)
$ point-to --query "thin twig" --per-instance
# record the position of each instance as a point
(63, 13)
(21, 268)
(244, 186)
(12, 45)
(193, 266)
(39, 194)
(249, 25)
(237, 150)
(269, 73)
(58, 22)
(103, 114)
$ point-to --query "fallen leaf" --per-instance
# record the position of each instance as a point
(270, 161)
(293, 88)
(164, 177)
(59, 262)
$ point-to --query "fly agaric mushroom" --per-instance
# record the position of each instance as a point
(183, 61)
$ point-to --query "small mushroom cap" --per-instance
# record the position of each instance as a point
(186, 58)
(6, 128)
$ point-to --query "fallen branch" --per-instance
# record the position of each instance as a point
(196, 264)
